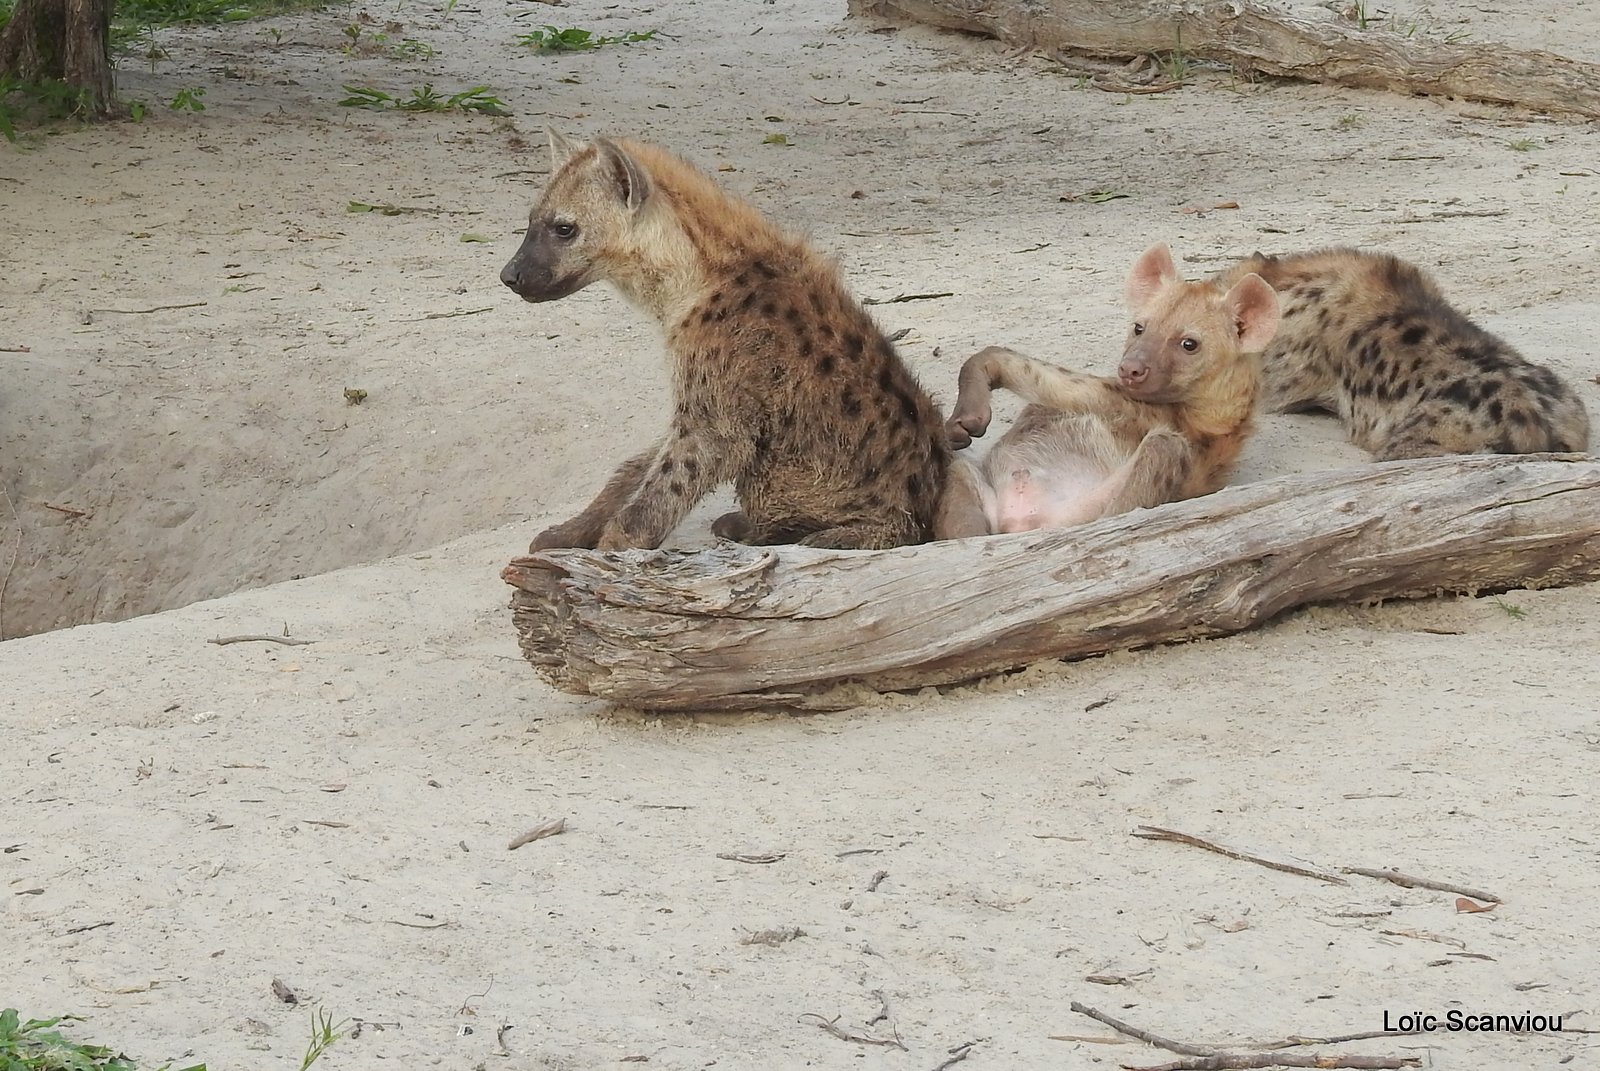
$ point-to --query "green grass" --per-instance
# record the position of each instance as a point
(424, 98)
(36, 1045)
(1512, 610)
(551, 39)
(136, 18)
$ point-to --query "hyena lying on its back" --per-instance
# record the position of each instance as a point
(781, 382)
(1371, 338)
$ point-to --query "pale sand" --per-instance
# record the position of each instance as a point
(170, 786)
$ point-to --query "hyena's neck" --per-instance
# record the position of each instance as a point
(1225, 402)
(662, 274)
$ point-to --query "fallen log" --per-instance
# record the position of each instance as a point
(1316, 46)
(736, 627)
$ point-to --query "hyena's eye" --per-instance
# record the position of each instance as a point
(1138, 329)
(565, 231)
(1190, 345)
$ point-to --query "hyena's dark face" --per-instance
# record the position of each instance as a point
(582, 218)
(548, 265)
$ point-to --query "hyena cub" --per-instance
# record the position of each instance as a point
(1371, 338)
(781, 381)
(1168, 426)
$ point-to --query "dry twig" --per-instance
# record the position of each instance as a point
(1295, 1040)
(223, 641)
(1236, 1061)
(155, 308)
(1123, 87)
(845, 1033)
(539, 832)
(1212, 1058)
(1144, 1035)
(1158, 833)
(905, 297)
(1409, 881)
(446, 315)
(957, 1054)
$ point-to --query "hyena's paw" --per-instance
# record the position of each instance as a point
(560, 537)
(735, 526)
(966, 424)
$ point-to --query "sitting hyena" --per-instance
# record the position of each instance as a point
(1371, 338)
(781, 382)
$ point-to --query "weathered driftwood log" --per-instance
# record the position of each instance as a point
(1253, 36)
(736, 627)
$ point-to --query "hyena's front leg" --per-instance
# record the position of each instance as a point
(584, 529)
(682, 472)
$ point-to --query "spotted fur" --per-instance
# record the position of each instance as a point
(1372, 339)
(782, 383)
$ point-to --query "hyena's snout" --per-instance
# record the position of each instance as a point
(510, 273)
(535, 276)
(522, 278)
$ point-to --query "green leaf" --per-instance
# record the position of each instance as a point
(775, 139)
(471, 237)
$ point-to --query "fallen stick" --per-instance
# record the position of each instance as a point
(844, 1033)
(70, 511)
(904, 297)
(1464, 213)
(732, 627)
(1214, 1058)
(1122, 87)
(1313, 45)
(154, 308)
(1410, 881)
(223, 641)
(1158, 833)
(15, 349)
(1229, 1061)
(1182, 1047)
(1295, 1040)
(538, 832)
(447, 315)
(957, 1054)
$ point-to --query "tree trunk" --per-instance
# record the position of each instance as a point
(737, 627)
(62, 40)
(1261, 37)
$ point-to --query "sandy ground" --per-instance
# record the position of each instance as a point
(336, 815)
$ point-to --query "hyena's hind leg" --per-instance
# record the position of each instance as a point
(1436, 430)
(864, 535)
(1291, 384)
(738, 527)
(1155, 474)
(968, 504)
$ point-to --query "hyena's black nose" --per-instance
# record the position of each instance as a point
(508, 274)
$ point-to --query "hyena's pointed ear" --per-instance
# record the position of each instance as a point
(1254, 305)
(562, 148)
(1153, 270)
(632, 181)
